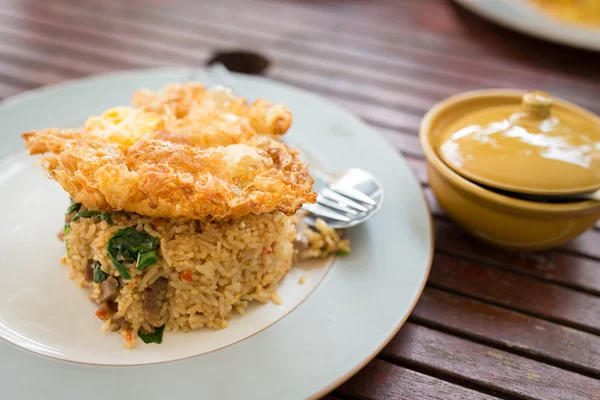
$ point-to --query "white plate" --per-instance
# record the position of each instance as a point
(359, 305)
(37, 303)
(525, 17)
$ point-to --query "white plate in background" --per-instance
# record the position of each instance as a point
(525, 17)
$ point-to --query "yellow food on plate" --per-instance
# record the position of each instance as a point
(582, 12)
(183, 208)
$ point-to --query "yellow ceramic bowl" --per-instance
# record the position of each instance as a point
(501, 220)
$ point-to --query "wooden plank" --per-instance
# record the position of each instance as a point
(514, 331)
(382, 97)
(487, 67)
(42, 46)
(131, 46)
(405, 142)
(128, 31)
(518, 292)
(419, 66)
(586, 244)
(382, 380)
(381, 117)
(34, 55)
(427, 103)
(416, 18)
(322, 24)
(390, 116)
(29, 76)
(565, 269)
(62, 42)
(353, 73)
(482, 365)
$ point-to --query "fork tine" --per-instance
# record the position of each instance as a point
(322, 211)
(354, 194)
(336, 205)
(331, 195)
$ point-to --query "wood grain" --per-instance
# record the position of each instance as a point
(501, 66)
(562, 268)
(494, 369)
(517, 292)
(299, 44)
(394, 382)
(504, 71)
(510, 330)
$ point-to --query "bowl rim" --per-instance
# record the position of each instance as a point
(496, 199)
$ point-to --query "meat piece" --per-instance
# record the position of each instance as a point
(154, 296)
(109, 289)
(106, 310)
(111, 307)
(119, 325)
(61, 235)
(88, 273)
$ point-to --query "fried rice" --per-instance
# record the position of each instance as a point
(206, 270)
(186, 208)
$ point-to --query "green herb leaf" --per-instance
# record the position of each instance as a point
(91, 214)
(132, 245)
(74, 207)
(342, 252)
(146, 259)
(104, 216)
(154, 337)
(119, 267)
(99, 275)
(66, 229)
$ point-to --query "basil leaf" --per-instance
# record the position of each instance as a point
(154, 337)
(74, 207)
(119, 267)
(104, 216)
(91, 214)
(99, 275)
(342, 252)
(146, 259)
(132, 245)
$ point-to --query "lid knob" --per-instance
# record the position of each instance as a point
(537, 104)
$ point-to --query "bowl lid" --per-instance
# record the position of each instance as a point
(536, 147)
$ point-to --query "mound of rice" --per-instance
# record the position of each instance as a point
(205, 270)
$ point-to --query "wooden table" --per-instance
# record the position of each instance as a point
(490, 323)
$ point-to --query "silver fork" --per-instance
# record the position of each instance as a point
(344, 199)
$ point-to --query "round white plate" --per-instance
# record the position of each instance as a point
(525, 17)
(344, 314)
